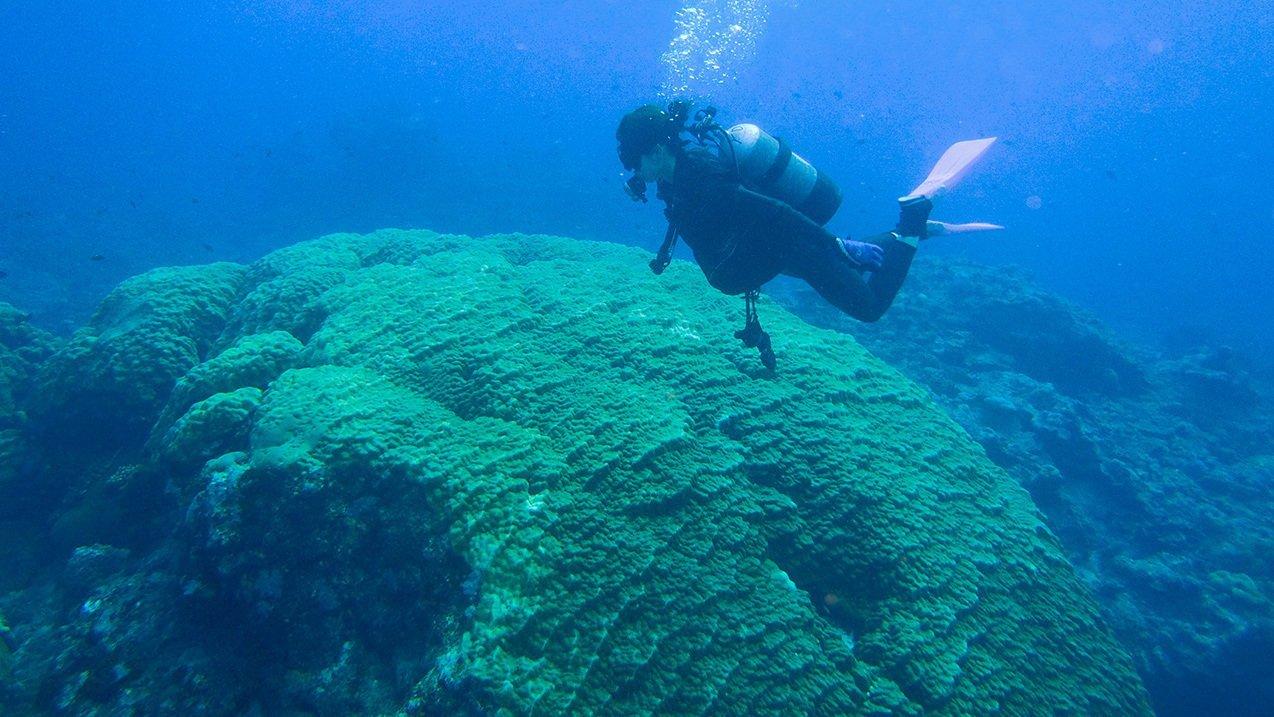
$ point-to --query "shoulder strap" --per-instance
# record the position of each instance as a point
(781, 161)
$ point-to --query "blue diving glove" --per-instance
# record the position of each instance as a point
(866, 256)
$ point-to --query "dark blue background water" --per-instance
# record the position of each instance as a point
(153, 133)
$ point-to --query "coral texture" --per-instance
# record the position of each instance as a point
(1157, 472)
(519, 475)
(23, 348)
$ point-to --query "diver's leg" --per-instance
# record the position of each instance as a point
(887, 280)
(821, 263)
(900, 249)
(818, 258)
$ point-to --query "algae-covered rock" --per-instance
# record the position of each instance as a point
(252, 361)
(107, 386)
(520, 475)
(1153, 470)
(92, 565)
(23, 347)
(120, 645)
(965, 315)
(212, 427)
(284, 284)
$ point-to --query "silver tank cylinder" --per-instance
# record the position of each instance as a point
(772, 168)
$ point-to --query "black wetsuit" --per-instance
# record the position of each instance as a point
(742, 239)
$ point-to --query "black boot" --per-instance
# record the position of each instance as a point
(913, 217)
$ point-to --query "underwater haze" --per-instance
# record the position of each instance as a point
(333, 379)
(1135, 136)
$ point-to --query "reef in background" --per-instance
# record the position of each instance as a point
(1157, 472)
(432, 473)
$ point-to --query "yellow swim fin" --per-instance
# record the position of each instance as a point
(951, 167)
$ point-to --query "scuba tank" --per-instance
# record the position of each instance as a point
(769, 166)
(762, 162)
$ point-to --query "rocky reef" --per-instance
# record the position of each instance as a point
(418, 473)
(1156, 471)
(23, 348)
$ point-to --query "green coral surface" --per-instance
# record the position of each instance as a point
(520, 475)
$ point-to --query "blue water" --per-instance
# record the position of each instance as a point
(1135, 146)
(149, 134)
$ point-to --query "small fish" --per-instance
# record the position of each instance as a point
(206, 246)
(96, 257)
(194, 200)
(839, 95)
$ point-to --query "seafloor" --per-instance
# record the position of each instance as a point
(436, 474)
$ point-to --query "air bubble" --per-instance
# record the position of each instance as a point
(714, 39)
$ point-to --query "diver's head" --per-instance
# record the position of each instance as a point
(641, 130)
(649, 140)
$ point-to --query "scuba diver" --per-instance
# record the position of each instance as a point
(751, 209)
